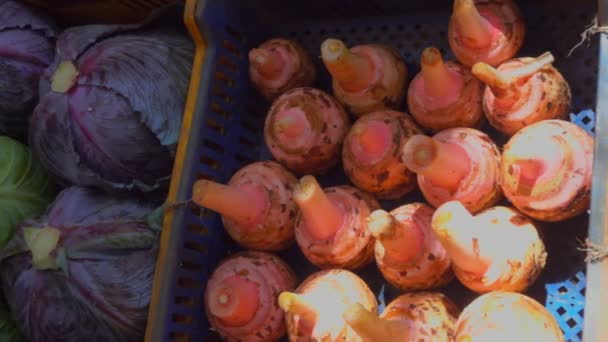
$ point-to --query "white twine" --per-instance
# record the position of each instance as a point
(590, 31)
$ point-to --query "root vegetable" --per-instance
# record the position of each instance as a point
(366, 78)
(331, 229)
(546, 170)
(304, 130)
(371, 155)
(485, 31)
(241, 297)
(445, 94)
(256, 205)
(523, 91)
(460, 164)
(507, 316)
(420, 317)
(279, 65)
(314, 311)
(499, 249)
(407, 252)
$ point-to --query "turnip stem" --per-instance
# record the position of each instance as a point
(292, 123)
(437, 78)
(322, 217)
(474, 28)
(297, 305)
(268, 62)
(443, 164)
(402, 241)
(374, 138)
(353, 72)
(461, 235)
(243, 205)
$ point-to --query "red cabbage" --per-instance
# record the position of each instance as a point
(111, 106)
(26, 50)
(84, 271)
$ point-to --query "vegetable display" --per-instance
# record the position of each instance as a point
(84, 270)
(27, 40)
(111, 105)
(25, 188)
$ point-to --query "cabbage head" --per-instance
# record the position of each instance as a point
(27, 39)
(25, 188)
(112, 103)
(83, 271)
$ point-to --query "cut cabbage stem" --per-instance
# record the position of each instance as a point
(244, 204)
(373, 328)
(297, 305)
(374, 138)
(443, 164)
(461, 235)
(64, 77)
(504, 82)
(235, 302)
(292, 123)
(267, 62)
(41, 243)
(438, 81)
(402, 241)
(322, 217)
(352, 71)
(474, 28)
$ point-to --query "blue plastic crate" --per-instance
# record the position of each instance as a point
(224, 131)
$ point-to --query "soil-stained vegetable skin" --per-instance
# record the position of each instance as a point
(265, 186)
(481, 259)
(385, 177)
(445, 94)
(430, 268)
(365, 78)
(471, 38)
(279, 65)
(329, 293)
(305, 129)
(351, 246)
(271, 276)
(507, 316)
(539, 93)
(547, 169)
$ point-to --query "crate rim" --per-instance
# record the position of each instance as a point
(596, 304)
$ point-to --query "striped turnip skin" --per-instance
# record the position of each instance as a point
(241, 297)
(416, 316)
(256, 205)
(546, 170)
(304, 130)
(506, 316)
(445, 94)
(523, 91)
(331, 228)
(489, 31)
(456, 164)
(372, 151)
(314, 311)
(407, 253)
(365, 78)
(279, 65)
(498, 249)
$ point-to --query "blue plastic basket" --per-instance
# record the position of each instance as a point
(223, 131)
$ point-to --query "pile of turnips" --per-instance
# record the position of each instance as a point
(437, 147)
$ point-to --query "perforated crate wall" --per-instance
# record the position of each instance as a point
(227, 134)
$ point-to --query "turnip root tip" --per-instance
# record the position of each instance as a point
(403, 243)
(244, 205)
(236, 302)
(354, 73)
(474, 28)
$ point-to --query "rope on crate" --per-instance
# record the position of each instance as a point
(591, 30)
(595, 252)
